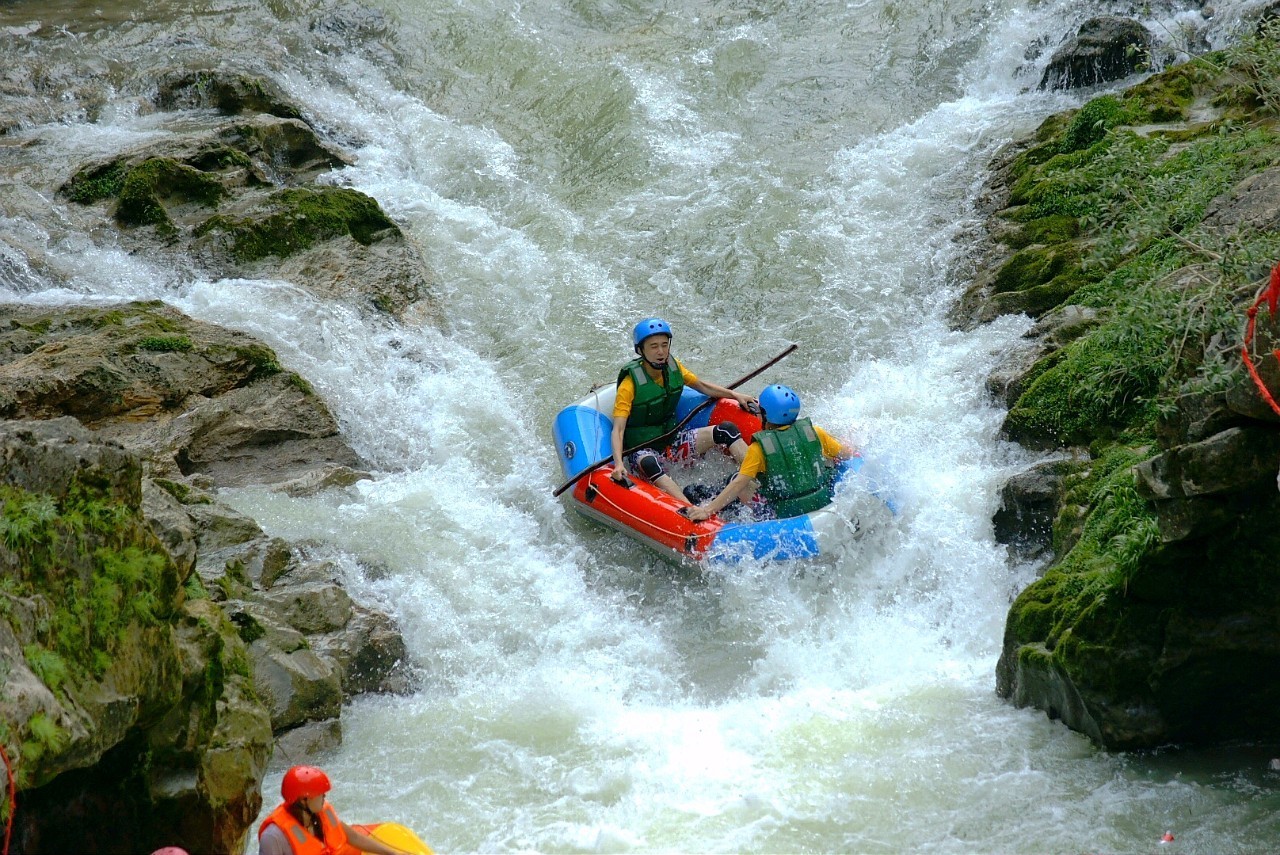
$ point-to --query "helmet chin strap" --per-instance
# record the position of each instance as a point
(656, 366)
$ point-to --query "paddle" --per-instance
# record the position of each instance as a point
(658, 442)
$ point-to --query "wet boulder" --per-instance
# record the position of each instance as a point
(116, 667)
(188, 396)
(1104, 49)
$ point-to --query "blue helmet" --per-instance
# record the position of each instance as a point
(649, 327)
(780, 404)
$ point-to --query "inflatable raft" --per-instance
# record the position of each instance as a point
(395, 834)
(582, 431)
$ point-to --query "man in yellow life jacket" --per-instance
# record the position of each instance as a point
(305, 825)
(788, 459)
(644, 410)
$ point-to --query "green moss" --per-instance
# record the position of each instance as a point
(165, 344)
(1091, 123)
(95, 568)
(299, 219)
(248, 627)
(1168, 96)
(155, 180)
(300, 383)
(1045, 231)
(222, 157)
(182, 492)
(95, 183)
(262, 358)
(1035, 266)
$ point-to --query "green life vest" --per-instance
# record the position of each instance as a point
(796, 479)
(653, 412)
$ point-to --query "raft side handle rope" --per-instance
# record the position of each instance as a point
(650, 524)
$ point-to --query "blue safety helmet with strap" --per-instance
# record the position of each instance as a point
(647, 328)
(780, 404)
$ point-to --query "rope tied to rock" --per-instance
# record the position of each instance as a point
(1270, 294)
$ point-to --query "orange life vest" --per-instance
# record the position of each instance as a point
(300, 838)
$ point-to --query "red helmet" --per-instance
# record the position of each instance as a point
(303, 782)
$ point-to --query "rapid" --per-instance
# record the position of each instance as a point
(757, 174)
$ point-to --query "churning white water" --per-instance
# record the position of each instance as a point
(758, 174)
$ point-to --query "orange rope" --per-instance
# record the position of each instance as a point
(1270, 294)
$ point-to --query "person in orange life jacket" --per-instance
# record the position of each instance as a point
(644, 410)
(787, 459)
(305, 825)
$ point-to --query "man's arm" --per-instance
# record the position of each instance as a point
(711, 390)
(615, 443)
(738, 486)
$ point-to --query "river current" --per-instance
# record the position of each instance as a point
(757, 173)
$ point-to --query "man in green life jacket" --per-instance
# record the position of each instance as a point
(648, 391)
(791, 460)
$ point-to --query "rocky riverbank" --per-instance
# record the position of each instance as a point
(1138, 230)
(158, 648)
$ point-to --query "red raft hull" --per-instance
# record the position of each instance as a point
(650, 514)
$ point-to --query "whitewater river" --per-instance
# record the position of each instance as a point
(758, 173)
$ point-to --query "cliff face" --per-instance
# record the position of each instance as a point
(1138, 230)
(126, 692)
(156, 645)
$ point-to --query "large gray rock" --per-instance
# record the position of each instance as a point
(1104, 49)
(188, 396)
(1029, 503)
(1253, 204)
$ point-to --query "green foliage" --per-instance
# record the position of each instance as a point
(94, 569)
(1254, 64)
(47, 665)
(194, 588)
(1171, 195)
(25, 518)
(165, 344)
(1101, 385)
(46, 737)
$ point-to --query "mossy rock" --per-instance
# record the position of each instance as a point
(1045, 231)
(1168, 96)
(296, 219)
(228, 92)
(149, 185)
(1035, 265)
(95, 183)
